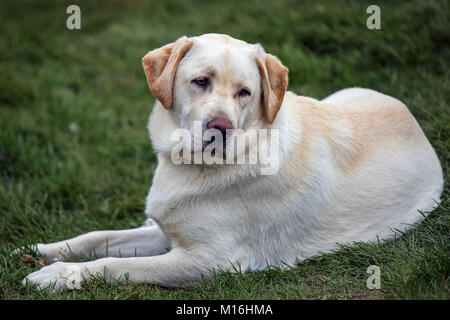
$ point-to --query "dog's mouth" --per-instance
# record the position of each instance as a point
(215, 145)
(207, 144)
(212, 144)
(214, 148)
(217, 130)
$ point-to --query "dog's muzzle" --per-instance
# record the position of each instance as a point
(221, 123)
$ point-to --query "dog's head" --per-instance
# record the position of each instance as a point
(220, 82)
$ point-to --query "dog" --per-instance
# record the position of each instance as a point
(353, 167)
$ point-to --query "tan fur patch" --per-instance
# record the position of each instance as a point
(352, 133)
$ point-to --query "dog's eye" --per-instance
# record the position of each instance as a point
(201, 81)
(244, 92)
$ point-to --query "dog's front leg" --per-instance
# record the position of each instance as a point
(138, 242)
(177, 268)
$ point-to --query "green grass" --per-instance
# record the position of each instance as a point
(56, 183)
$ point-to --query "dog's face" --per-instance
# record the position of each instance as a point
(218, 82)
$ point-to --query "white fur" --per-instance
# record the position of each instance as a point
(220, 217)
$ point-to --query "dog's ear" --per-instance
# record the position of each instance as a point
(274, 82)
(160, 66)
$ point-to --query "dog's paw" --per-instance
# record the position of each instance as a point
(56, 277)
(48, 250)
(25, 249)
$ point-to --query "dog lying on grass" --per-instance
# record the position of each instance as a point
(355, 166)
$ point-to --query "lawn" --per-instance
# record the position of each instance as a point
(75, 154)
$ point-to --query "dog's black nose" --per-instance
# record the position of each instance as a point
(221, 123)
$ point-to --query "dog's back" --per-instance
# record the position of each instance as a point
(369, 166)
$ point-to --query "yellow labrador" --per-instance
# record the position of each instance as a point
(355, 166)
